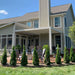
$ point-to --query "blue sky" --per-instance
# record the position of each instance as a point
(15, 8)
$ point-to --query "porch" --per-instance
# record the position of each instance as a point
(37, 38)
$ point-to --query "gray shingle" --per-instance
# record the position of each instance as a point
(34, 15)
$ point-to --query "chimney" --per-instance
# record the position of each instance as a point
(44, 19)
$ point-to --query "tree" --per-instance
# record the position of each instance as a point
(72, 32)
(24, 57)
(4, 57)
(13, 57)
(58, 58)
(35, 58)
(72, 55)
(47, 55)
(66, 56)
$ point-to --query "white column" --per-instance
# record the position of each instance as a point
(61, 42)
(6, 40)
(26, 41)
(20, 40)
(1, 41)
(39, 40)
(64, 33)
(64, 41)
(13, 37)
(50, 40)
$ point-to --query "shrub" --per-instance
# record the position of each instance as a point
(13, 57)
(58, 58)
(35, 58)
(47, 55)
(24, 57)
(4, 57)
(66, 56)
(72, 55)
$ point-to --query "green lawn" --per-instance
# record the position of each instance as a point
(65, 70)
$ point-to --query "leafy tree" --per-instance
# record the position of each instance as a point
(66, 56)
(13, 57)
(24, 57)
(72, 32)
(4, 57)
(72, 55)
(58, 58)
(47, 55)
(35, 58)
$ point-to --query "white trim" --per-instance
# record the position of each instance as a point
(6, 25)
(59, 14)
(31, 29)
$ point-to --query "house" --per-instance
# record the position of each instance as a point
(49, 26)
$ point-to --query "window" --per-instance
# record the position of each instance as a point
(68, 42)
(9, 45)
(17, 41)
(9, 35)
(58, 41)
(65, 22)
(35, 23)
(6, 40)
(29, 24)
(3, 42)
(57, 21)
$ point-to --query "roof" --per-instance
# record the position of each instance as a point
(34, 15)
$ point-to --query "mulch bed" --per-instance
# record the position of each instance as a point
(41, 64)
(52, 60)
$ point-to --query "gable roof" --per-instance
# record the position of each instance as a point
(35, 15)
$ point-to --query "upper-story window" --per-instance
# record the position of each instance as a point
(29, 24)
(36, 23)
(65, 22)
(57, 21)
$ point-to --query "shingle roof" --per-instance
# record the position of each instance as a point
(33, 15)
(60, 9)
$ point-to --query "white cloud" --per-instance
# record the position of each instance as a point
(3, 12)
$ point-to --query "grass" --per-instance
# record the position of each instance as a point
(65, 70)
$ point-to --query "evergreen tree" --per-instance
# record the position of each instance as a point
(13, 57)
(47, 55)
(24, 57)
(66, 56)
(58, 58)
(72, 55)
(4, 57)
(35, 58)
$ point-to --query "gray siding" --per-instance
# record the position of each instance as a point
(6, 30)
